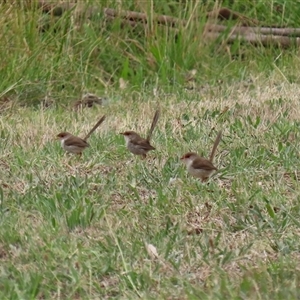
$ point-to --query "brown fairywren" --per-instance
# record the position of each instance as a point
(74, 144)
(138, 145)
(200, 167)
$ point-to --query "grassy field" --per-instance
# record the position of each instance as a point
(83, 228)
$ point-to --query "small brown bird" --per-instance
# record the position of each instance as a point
(88, 100)
(200, 167)
(74, 144)
(138, 145)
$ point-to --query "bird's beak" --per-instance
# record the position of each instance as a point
(181, 158)
(121, 133)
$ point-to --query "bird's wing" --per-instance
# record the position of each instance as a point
(204, 164)
(77, 142)
(144, 144)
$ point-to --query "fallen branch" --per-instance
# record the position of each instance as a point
(141, 17)
(254, 39)
(291, 32)
(283, 37)
(225, 13)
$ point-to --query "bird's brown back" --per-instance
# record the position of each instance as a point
(76, 141)
(204, 164)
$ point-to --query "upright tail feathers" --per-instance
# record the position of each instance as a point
(154, 122)
(216, 143)
(94, 128)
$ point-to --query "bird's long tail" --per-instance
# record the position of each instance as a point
(217, 141)
(154, 122)
(94, 128)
